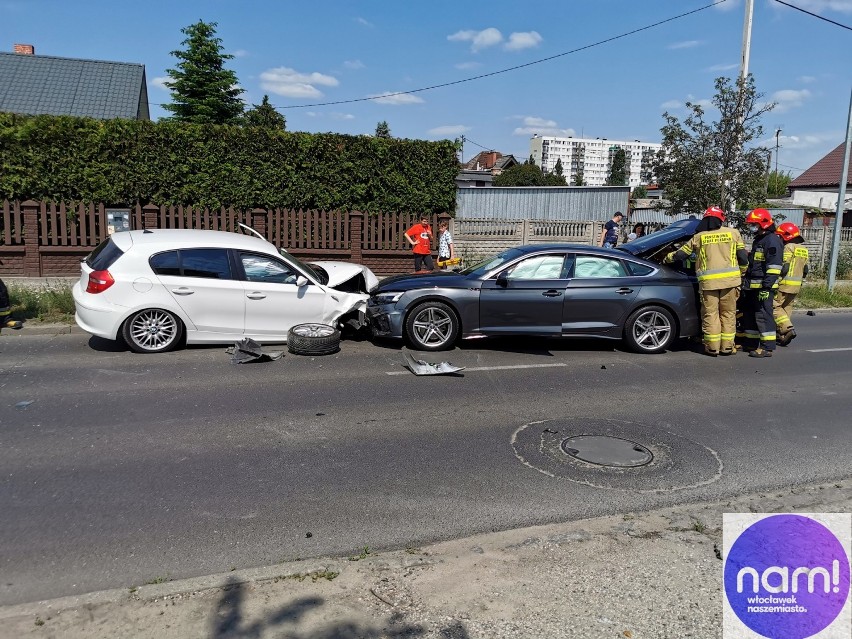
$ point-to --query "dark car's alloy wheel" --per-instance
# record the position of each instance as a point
(650, 330)
(152, 331)
(313, 339)
(432, 326)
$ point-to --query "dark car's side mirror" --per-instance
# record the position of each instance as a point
(503, 279)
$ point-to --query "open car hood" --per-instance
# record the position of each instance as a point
(348, 276)
(649, 246)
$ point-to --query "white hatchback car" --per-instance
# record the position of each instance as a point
(155, 288)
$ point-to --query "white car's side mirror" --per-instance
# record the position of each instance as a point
(301, 281)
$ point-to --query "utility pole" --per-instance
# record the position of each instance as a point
(744, 60)
(841, 200)
(462, 150)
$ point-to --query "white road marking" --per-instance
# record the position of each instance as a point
(491, 368)
(828, 350)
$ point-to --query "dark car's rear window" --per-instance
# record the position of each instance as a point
(104, 255)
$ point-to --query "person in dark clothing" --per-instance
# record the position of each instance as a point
(765, 263)
(609, 232)
(6, 320)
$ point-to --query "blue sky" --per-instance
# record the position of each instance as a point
(303, 53)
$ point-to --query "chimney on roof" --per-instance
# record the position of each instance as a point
(25, 49)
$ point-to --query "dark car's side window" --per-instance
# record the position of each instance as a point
(639, 269)
(589, 266)
(260, 268)
(539, 267)
(166, 263)
(207, 263)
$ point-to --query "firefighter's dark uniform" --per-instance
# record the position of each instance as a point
(761, 281)
(6, 320)
(796, 261)
(720, 260)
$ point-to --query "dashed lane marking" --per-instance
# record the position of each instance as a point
(492, 368)
(828, 350)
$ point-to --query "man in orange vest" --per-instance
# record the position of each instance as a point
(721, 259)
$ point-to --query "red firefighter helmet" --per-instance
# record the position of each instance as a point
(715, 211)
(761, 217)
(788, 231)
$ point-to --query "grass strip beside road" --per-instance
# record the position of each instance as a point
(818, 296)
(47, 303)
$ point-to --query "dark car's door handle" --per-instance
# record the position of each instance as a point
(623, 291)
(552, 293)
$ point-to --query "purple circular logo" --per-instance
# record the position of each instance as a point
(787, 577)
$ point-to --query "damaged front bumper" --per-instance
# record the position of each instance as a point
(385, 319)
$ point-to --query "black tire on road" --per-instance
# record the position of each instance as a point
(313, 339)
(152, 330)
(432, 326)
(650, 329)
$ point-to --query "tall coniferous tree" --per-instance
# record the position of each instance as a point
(203, 90)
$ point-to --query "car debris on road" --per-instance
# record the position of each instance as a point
(419, 367)
(247, 350)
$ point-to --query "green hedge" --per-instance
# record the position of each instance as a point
(169, 163)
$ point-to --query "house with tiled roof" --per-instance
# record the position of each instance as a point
(481, 169)
(818, 188)
(48, 85)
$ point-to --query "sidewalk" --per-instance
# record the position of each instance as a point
(652, 575)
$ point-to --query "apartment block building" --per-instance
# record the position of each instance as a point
(593, 158)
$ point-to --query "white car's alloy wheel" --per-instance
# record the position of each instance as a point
(152, 331)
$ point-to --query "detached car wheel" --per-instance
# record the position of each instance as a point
(650, 329)
(313, 339)
(152, 331)
(432, 326)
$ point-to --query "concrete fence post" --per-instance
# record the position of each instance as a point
(32, 257)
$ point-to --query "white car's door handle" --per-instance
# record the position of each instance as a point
(182, 291)
(255, 296)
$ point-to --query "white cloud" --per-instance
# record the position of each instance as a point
(292, 84)
(240, 53)
(364, 22)
(479, 39)
(788, 99)
(465, 66)
(353, 64)
(160, 82)
(723, 67)
(806, 79)
(704, 103)
(523, 40)
(389, 97)
(449, 131)
(821, 6)
(671, 104)
(342, 116)
(686, 44)
(533, 125)
(727, 6)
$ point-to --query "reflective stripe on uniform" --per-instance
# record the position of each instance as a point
(782, 319)
(791, 281)
(728, 336)
(767, 337)
(718, 274)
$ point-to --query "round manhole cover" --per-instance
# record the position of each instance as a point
(607, 451)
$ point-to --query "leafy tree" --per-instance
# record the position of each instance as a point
(526, 174)
(778, 181)
(578, 179)
(265, 116)
(383, 130)
(705, 163)
(203, 90)
(618, 169)
(639, 192)
(558, 168)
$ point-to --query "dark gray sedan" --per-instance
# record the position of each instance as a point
(550, 290)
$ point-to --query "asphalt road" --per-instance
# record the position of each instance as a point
(127, 468)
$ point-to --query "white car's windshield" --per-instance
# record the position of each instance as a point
(320, 277)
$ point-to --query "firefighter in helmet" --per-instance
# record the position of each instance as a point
(720, 261)
(796, 263)
(760, 283)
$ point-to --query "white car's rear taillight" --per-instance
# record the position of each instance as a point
(99, 281)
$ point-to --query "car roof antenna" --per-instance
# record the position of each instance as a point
(147, 231)
(252, 231)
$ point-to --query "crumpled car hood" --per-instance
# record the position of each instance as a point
(341, 272)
